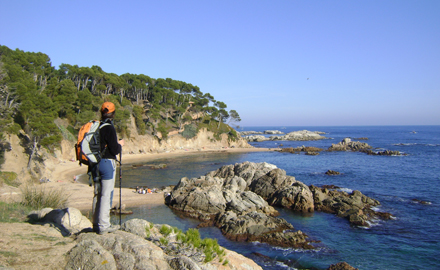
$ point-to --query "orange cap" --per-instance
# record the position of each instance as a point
(108, 107)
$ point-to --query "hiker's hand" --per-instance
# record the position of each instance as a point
(121, 142)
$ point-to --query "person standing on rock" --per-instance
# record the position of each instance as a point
(103, 193)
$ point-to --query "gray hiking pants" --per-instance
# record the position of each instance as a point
(103, 195)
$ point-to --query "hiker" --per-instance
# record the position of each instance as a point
(103, 194)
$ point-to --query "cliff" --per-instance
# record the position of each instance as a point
(44, 163)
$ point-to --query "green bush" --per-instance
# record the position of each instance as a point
(190, 131)
(165, 230)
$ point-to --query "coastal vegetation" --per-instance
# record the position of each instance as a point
(44, 104)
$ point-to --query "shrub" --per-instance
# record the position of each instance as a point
(165, 230)
(37, 197)
(190, 131)
(9, 178)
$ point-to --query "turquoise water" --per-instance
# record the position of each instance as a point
(410, 241)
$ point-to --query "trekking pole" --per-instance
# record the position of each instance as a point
(120, 184)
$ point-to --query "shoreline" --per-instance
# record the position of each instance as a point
(81, 195)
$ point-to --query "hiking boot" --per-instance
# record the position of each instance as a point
(112, 228)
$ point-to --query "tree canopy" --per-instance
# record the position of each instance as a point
(33, 94)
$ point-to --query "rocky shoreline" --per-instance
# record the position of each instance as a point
(240, 199)
(302, 135)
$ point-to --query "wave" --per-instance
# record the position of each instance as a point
(348, 190)
(416, 144)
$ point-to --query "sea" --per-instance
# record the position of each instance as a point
(407, 186)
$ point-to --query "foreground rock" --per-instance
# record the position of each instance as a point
(66, 221)
(138, 245)
(142, 245)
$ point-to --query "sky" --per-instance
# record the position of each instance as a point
(278, 62)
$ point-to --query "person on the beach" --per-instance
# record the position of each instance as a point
(103, 194)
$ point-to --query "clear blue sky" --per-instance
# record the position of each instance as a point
(279, 62)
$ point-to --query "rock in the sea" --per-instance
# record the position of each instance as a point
(233, 198)
(381, 153)
(273, 132)
(341, 266)
(302, 135)
(255, 138)
(356, 207)
(348, 145)
(331, 172)
(239, 199)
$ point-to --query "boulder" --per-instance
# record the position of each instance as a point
(67, 221)
(119, 250)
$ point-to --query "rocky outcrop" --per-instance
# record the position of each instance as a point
(355, 207)
(306, 149)
(256, 138)
(273, 132)
(233, 198)
(138, 245)
(142, 245)
(348, 145)
(302, 135)
(341, 266)
(245, 133)
(239, 199)
(331, 172)
(381, 153)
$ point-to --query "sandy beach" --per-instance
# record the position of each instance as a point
(80, 195)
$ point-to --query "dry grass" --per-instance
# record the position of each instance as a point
(39, 197)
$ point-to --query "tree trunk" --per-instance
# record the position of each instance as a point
(34, 149)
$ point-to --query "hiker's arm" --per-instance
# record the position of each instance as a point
(111, 139)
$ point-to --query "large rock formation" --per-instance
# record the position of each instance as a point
(233, 199)
(239, 200)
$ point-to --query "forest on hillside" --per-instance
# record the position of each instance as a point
(37, 99)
